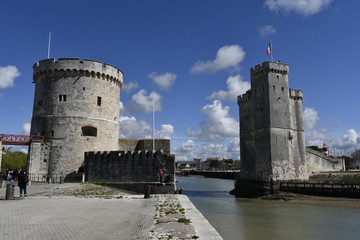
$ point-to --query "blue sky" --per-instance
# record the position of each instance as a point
(192, 58)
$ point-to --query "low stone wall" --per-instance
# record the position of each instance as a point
(133, 169)
(319, 162)
(138, 187)
(352, 177)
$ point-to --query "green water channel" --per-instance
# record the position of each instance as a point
(248, 219)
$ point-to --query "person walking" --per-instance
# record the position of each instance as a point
(22, 182)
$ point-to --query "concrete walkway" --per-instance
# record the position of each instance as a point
(91, 212)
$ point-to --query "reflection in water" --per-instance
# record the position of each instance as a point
(248, 219)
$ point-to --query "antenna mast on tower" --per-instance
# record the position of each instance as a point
(49, 45)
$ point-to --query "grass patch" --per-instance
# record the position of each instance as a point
(184, 220)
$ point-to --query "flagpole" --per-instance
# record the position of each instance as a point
(271, 51)
(49, 45)
(153, 122)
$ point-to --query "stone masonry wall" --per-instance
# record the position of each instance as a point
(319, 162)
(38, 160)
(0, 152)
(76, 109)
(127, 167)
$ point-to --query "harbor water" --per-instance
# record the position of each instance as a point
(250, 219)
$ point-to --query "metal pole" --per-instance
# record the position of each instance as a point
(49, 45)
(153, 123)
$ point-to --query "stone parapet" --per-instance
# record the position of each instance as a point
(75, 66)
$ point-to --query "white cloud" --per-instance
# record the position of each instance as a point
(310, 117)
(344, 145)
(134, 129)
(26, 128)
(186, 147)
(218, 125)
(227, 57)
(166, 131)
(122, 107)
(188, 150)
(266, 31)
(129, 86)
(236, 86)
(350, 141)
(302, 7)
(142, 103)
(164, 81)
(8, 75)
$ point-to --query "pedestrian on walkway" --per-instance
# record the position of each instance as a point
(22, 182)
(161, 174)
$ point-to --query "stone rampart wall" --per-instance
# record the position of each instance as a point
(128, 167)
(319, 162)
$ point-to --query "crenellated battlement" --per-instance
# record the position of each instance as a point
(266, 67)
(131, 155)
(77, 67)
(296, 94)
(128, 166)
(244, 98)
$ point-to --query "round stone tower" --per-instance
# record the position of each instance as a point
(76, 108)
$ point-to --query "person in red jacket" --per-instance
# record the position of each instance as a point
(161, 174)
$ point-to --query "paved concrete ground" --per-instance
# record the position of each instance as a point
(91, 212)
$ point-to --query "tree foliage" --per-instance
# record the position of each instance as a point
(14, 160)
(356, 155)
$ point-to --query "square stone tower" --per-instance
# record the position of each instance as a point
(272, 142)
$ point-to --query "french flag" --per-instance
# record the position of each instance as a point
(268, 51)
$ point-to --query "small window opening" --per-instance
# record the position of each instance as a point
(274, 87)
(89, 131)
(83, 88)
(99, 101)
(52, 133)
(282, 88)
(40, 102)
(62, 98)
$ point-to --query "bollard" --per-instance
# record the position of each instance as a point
(10, 188)
(147, 191)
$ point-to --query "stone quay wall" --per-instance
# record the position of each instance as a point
(132, 170)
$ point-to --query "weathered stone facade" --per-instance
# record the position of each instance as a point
(76, 108)
(319, 162)
(1, 152)
(132, 170)
(272, 138)
(39, 152)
